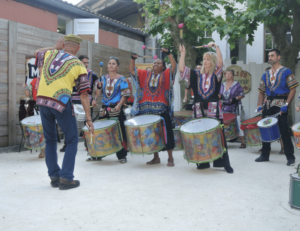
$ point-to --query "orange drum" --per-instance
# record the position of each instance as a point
(251, 131)
(296, 131)
(230, 126)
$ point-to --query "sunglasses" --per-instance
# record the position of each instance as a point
(113, 58)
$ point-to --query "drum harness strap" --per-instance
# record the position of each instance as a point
(202, 108)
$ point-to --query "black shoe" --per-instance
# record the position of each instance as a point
(291, 162)
(229, 169)
(203, 166)
(65, 184)
(54, 182)
(261, 159)
(63, 149)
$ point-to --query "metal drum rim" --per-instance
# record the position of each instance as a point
(143, 125)
(98, 129)
(218, 126)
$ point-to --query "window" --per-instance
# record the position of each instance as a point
(207, 34)
(269, 43)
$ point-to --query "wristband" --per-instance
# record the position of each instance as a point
(132, 55)
(95, 98)
(167, 52)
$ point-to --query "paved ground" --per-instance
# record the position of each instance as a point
(134, 196)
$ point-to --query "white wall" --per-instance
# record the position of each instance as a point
(131, 45)
(255, 52)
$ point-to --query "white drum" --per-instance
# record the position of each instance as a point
(33, 132)
(203, 140)
(79, 112)
(145, 134)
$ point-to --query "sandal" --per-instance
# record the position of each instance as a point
(243, 146)
(171, 163)
(94, 159)
(154, 161)
(42, 154)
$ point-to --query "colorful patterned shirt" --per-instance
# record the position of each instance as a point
(114, 89)
(61, 72)
(93, 81)
(153, 93)
(234, 91)
(206, 87)
(282, 84)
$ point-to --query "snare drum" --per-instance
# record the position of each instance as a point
(107, 138)
(144, 134)
(268, 129)
(79, 112)
(230, 126)
(181, 117)
(251, 131)
(177, 139)
(202, 140)
(33, 132)
(296, 132)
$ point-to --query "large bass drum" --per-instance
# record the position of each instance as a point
(144, 134)
(203, 140)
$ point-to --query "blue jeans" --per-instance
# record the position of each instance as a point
(68, 125)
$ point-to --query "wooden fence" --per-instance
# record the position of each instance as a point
(18, 41)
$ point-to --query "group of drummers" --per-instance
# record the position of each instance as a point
(150, 125)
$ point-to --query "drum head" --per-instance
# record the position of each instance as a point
(267, 122)
(32, 120)
(296, 127)
(142, 120)
(228, 116)
(101, 124)
(183, 113)
(199, 125)
(253, 120)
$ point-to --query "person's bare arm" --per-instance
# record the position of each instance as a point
(291, 95)
(132, 64)
(171, 58)
(122, 102)
(182, 58)
(218, 52)
(58, 46)
(97, 94)
(85, 101)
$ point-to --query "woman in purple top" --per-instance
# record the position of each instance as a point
(231, 93)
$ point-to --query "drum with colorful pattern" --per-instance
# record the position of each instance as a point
(107, 138)
(145, 134)
(230, 126)
(203, 140)
(181, 117)
(177, 139)
(296, 132)
(251, 131)
(33, 132)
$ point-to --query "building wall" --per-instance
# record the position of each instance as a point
(255, 52)
(133, 46)
(108, 38)
(28, 15)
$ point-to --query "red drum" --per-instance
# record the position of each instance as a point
(251, 130)
(230, 126)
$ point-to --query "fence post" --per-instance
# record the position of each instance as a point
(12, 83)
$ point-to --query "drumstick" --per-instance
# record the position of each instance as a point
(91, 141)
(204, 46)
(150, 48)
(101, 65)
(180, 27)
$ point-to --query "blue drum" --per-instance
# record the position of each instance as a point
(268, 129)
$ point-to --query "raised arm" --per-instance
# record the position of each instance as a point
(58, 46)
(218, 52)
(182, 58)
(171, 58)
(134, 56)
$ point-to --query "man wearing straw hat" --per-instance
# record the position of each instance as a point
(62, 70)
